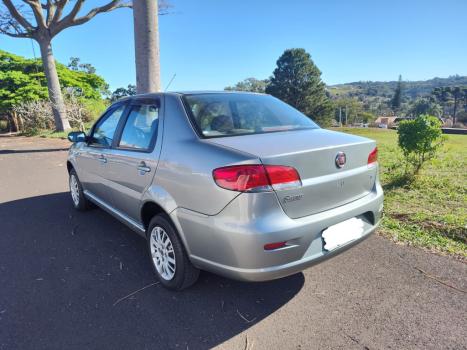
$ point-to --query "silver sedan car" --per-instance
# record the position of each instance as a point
(239, 184)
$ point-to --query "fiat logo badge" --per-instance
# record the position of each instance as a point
(340, 159)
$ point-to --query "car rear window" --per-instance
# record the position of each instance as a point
(232, 114)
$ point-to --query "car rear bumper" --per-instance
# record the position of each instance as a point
(231, 243)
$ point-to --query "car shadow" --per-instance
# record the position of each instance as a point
(67, 280)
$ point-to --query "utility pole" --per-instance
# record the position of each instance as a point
(340, 116)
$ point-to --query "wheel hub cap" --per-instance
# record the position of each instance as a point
(162, 252)
(74, 189)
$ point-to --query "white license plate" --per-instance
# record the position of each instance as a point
(344, 232)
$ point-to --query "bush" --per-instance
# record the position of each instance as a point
(37, 115)
(3, 125)
(419, 140)
(94, 108)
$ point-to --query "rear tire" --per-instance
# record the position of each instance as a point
(76, 191)
(168, 256)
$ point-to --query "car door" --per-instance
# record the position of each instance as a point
(92, 160)
(133, 162)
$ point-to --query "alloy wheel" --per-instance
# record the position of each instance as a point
(162, 253)
(74, 189)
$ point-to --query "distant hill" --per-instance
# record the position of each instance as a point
(412, 89)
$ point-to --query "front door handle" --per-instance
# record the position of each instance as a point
(102, 159)
(143, 168)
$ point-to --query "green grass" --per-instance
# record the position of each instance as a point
(430, 212)
(56, 134)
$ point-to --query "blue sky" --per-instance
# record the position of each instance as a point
(210, 44)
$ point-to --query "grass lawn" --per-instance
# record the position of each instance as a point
(59, 134)
(432, 211)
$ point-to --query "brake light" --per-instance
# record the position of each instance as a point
(256, 178)
(373, 156)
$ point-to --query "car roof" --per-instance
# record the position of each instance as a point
(182, 93)
(215, 92)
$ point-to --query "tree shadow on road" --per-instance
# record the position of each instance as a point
(62, 272)
(45, 150)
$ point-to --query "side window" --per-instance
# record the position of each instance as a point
(140, 127)
(104, 131)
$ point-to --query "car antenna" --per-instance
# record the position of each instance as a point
(170, 82)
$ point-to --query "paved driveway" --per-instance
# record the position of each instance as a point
(62, 272)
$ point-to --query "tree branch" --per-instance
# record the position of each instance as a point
(18, 16)
(114, 4)
(71, 20)
(67, 21)
(50, 7)
(60, 4)
(15, 35)
(36, 7)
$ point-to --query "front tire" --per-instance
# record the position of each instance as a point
(169, 259)
(76, 191)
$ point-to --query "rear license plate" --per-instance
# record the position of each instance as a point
(344, 232)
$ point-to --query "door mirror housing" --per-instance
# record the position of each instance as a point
(77, 136)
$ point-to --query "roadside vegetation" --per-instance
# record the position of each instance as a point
(430, 210)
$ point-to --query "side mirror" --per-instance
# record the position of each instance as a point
(77, 136)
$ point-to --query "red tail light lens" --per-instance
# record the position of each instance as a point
(373, 156)
(256, 178)
(283, 177)
(241, 177)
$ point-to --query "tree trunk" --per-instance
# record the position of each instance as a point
(53, 85)
(13, 122)
(146, 28)
(19, 121)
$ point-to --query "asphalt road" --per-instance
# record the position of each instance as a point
(62, 273)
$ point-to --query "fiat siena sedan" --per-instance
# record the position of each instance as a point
(239, 184)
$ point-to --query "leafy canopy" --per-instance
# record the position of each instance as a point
(297, 81)
(23, 80)
(250, 84)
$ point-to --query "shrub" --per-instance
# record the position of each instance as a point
(94, 108)
(3, 125)
(419, 140)
(35, 115)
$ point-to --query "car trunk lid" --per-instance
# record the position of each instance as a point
(313, 154)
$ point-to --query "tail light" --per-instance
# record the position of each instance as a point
(373, 156)
(256, 178)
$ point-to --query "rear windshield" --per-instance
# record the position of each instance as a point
(230, 114)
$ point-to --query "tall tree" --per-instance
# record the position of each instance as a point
(50, 17)
(397, 98)
(250, 84)
(75, 64)
(121, 92)
(424, 105)
(297, 81)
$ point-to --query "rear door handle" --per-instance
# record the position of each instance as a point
(143, 168)
(102, 159)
